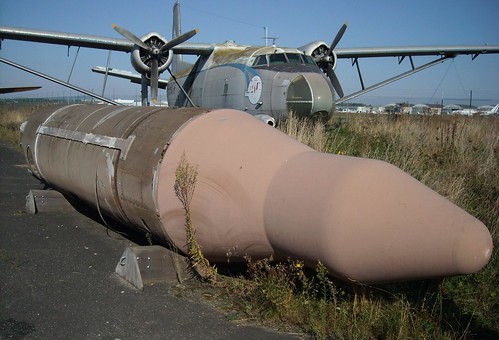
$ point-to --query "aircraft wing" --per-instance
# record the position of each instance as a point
(133, 77)
(67, 39)
(91, 41)
(4, 90)
(407, 51)
(441, 53)
(194, 49)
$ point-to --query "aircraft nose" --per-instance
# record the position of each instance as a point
(309, 94)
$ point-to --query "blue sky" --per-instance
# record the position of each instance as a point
(370, 23)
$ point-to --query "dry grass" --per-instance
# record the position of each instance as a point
(11, 117)
(310, 132)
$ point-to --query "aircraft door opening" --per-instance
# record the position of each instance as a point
(299, 97)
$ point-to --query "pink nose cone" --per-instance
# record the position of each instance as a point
(473, 249)
(261, 193)
(369, 221)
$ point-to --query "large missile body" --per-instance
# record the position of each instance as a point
(258, 192)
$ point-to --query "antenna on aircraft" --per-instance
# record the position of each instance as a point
(270, 38)
(267, 38)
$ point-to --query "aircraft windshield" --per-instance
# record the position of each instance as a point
(282, 58)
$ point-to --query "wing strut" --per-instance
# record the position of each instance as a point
(107, 72)
(57, 81)
(74, 63)
(181, 88)
(391, 80)
(356, 63)
(401, 59)
(412, 62)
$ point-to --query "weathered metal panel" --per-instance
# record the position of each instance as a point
(107, 156)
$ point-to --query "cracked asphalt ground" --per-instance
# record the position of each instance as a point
(57, 279)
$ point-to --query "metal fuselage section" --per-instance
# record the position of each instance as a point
(258, 80)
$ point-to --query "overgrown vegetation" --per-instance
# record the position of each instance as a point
(11, 117)
(310, 132)
(456, 156)
(185, 183)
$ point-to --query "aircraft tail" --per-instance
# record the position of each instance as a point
(176, 32)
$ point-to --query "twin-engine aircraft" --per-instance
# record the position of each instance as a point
(264, 81)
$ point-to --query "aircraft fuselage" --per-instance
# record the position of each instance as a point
(259, 80)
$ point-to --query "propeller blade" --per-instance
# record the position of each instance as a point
(154, 80)
(130, 37)
(334, 80)
(338, 37)
(178, 40)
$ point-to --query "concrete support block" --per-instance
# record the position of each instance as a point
(145, 265)
(40, 201)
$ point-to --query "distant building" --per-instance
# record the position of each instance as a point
(365, 109)
(392, 108)
(484, 109)
(421, 109)
(451, 109)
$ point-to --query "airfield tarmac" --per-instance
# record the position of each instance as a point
(57, 279)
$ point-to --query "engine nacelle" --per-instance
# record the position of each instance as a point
(141, 60)
(267, 120)
(319, 51)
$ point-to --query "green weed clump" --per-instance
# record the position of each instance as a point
(288, 296)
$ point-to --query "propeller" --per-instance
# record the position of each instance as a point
(154, 52)
(334, 80)
(326, 62)
(130, 36)
(178, 40)
(338, 37)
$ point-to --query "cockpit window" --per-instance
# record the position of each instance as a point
(282, 58)
(294, 58)
(308, 59)
(261, 60)
(277, 58)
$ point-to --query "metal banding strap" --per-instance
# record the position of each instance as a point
(89, 138)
